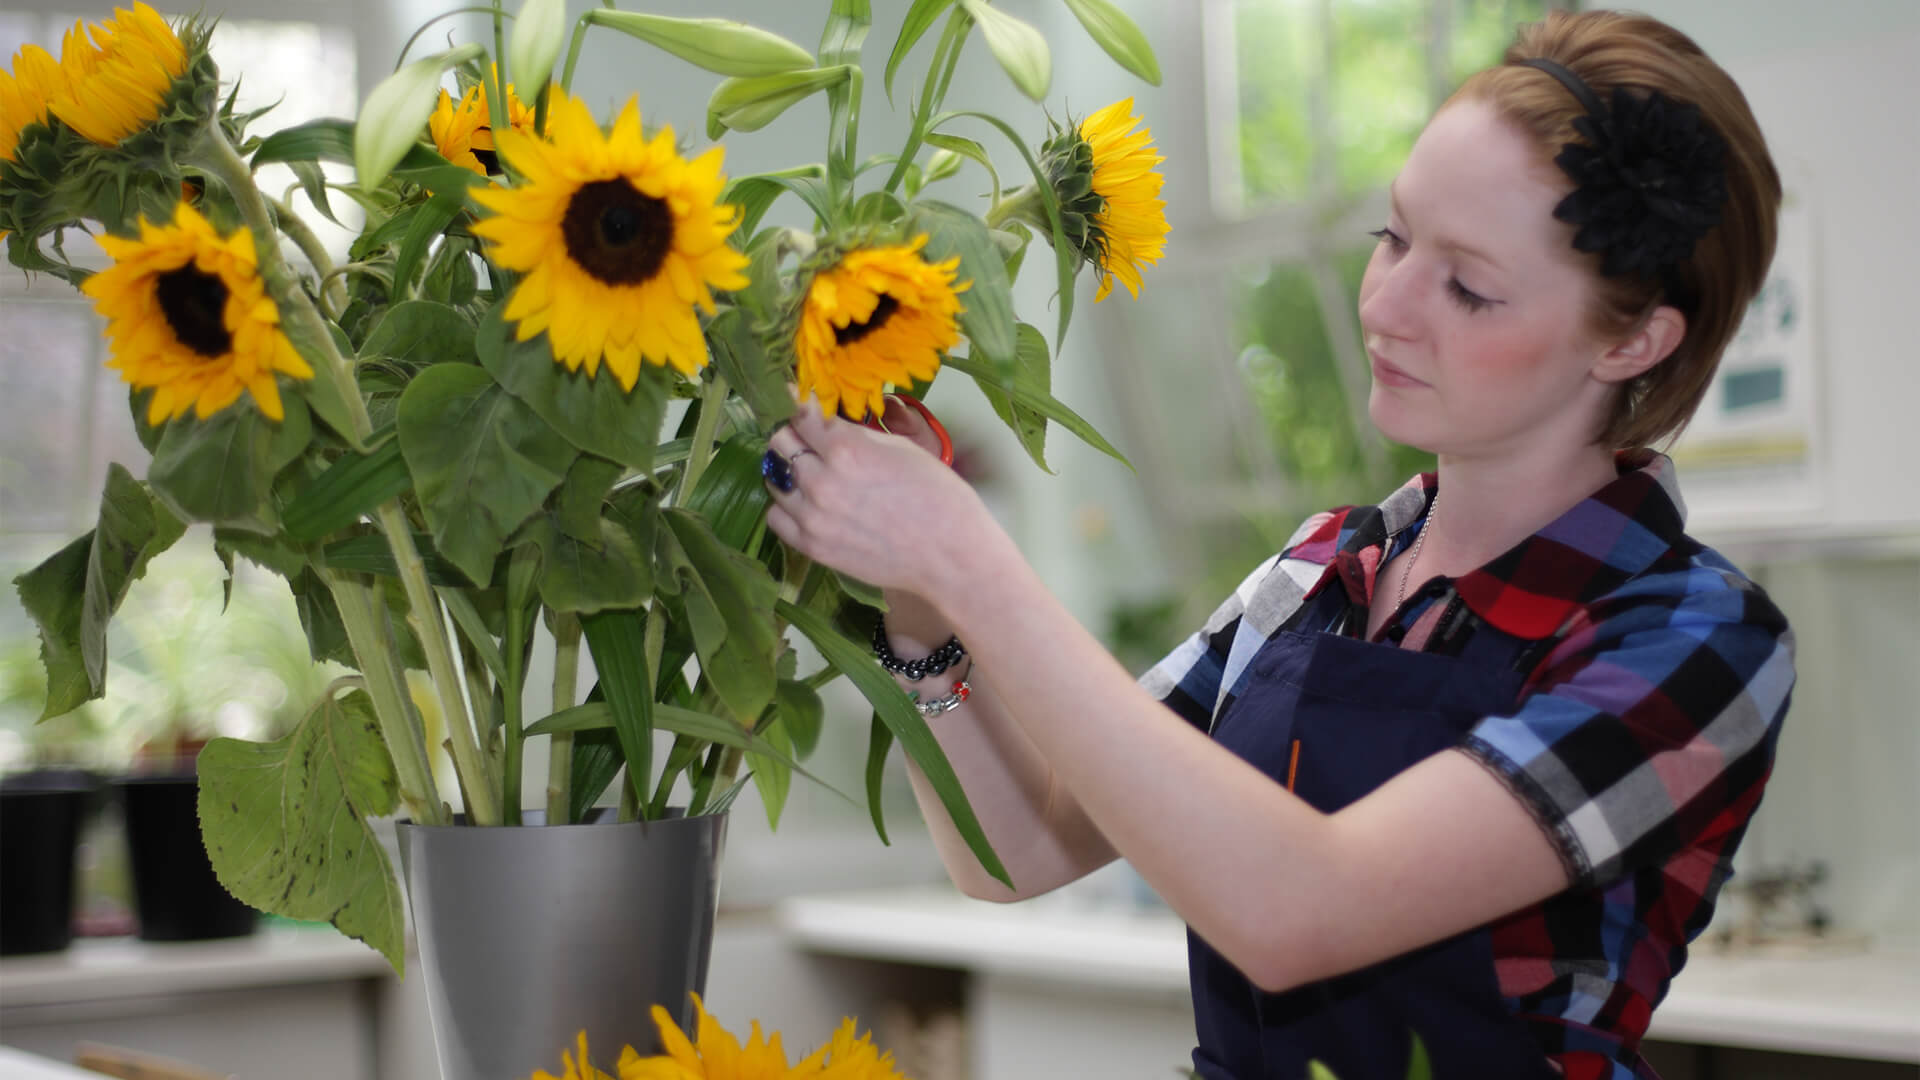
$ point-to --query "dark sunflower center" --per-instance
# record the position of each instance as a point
(483, 150)
(617, 234)
(854, 331)
(194, 302)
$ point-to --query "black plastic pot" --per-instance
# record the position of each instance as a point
(176, 895)
(40, 820)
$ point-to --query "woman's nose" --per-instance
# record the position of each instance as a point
(1388, 301)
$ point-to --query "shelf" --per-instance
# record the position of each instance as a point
(99, 968)
(1859, 1004)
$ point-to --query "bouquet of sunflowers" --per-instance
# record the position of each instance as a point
(537, 392)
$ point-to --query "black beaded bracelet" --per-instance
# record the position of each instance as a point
(933, 663)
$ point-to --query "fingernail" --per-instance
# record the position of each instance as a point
(776, 470)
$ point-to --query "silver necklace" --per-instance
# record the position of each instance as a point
(1413, 556)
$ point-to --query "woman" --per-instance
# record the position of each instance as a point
(1470, 764)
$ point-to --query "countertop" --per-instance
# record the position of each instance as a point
(96, 968)
(1860, 1003)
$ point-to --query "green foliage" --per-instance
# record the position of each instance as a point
(438, 471)
(287, 823)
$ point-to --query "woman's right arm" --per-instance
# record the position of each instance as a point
(1039, 831)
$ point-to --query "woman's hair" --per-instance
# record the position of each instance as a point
(1713, 286)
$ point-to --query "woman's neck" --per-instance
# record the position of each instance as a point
(1494, 503)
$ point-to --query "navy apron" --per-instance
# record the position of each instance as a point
(1362, 713)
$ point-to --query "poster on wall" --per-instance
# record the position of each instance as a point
(1753, 454)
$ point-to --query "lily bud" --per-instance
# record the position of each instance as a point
(719, 45)
(535, 44)
(396, 111)
(751, 104)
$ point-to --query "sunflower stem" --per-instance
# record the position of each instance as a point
(573, 51)
(476, 779)
(1022, 203)
(566, 671)
(406, 744)
(497, 115)
(303, 238)
(939, 72)
(371, 646)
(712, 404)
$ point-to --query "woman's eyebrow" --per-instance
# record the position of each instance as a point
(1444, 242)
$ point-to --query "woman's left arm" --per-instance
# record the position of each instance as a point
(1286, 893)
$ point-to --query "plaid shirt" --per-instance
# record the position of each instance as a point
(1656, 679)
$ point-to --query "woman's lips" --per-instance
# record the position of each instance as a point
(1386, 373)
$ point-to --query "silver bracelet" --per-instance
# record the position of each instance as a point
(961, 691)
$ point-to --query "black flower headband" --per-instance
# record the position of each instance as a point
(1648, 184)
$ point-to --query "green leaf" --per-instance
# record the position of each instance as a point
(967, 148)
(740, 662)
(369, 553)
(396, 112)
(749, 104)
(482, 462)
(320, 618)
(754, 195)
(987, 306)
(870, 595)
(221, 469)
(582, 494)
(54, 595)
(718, 45)
(742, 358)
(802, 714)
(286, 823)
(473, 626)
(617, 641)
(732, 495)
(1063, 257)
(772, 776)
(1419, 1067)
(1317, 1071)
(595, 716)
(905, 724)
(351, 488)
(596, 761)
(1021, 49)
(314, 183)
(1041, 402)
(1112, 30)
(879, 745)
(277, 553)
(585, 576)
(1013, 239)
(1033, 370)
(591, 412)
(72, 595)
(448, 202)
(920, 17)
(538, 32)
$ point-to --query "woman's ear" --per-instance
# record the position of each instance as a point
(1653, 341)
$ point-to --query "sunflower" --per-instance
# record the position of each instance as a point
(463, 134)
(716, 1055)
(571, 1069)
(24, 93)
(189, 316)
(619, 237)
(1131, 226)
(881, 315)
(1102, 175)
(116, 84)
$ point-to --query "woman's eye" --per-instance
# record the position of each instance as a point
(1466, 297)
(1389, 238)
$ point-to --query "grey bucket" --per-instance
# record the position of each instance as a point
(528, 934)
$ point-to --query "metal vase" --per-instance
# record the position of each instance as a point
(527, 934)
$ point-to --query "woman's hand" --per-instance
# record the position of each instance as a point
(879, 506)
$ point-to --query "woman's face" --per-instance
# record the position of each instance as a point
(1473, 305)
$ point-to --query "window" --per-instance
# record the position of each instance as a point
(1312, 106)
